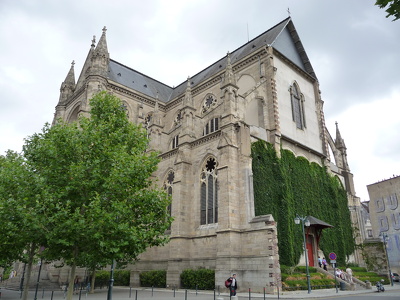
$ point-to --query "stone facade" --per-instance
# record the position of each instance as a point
(384, 211)
(204, 128)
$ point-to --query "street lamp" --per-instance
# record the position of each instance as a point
(385, 236)
(304, 222)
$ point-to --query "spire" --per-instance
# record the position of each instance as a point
(86, 65)
(92, 46)
(229, 77)
(100, 57)
(68, 86)
(70, 79)
(102, 45)
(338, 140)
(188, 100)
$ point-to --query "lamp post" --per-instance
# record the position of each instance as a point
(385, 236)
(304, 222)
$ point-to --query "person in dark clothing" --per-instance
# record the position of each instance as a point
(233, 287)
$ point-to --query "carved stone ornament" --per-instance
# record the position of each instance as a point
(209, 102)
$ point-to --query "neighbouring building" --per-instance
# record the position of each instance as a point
(203, 128)
(384, 213)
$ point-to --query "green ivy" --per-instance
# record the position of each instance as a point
(291, 185)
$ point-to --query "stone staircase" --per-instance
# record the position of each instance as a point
(355, 285)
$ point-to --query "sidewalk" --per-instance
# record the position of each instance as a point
(125, 293)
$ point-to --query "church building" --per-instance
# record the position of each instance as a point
(203, 129)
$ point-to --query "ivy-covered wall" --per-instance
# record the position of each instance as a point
(292, 185)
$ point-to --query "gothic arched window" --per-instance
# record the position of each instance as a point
(211, 126)
(209, 193)
(297, 106)
(168, 183)
(175, 142)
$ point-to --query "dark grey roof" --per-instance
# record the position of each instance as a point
(283, 37)
(317, 222)
(138, 81)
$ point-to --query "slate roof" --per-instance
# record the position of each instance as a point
(283, 37)
(318, 223)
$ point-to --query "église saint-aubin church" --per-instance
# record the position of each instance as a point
(204, 128)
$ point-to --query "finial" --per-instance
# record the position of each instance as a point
(288, 11)
(228, 55)
(73, 63)
(93, 41)
(104, 30)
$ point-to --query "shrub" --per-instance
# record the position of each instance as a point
(358, 269)
(156, 278)
(202, 279)
(287, 269)
(121, 278)
(303, 269)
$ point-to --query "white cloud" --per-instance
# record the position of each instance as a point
(352, 46)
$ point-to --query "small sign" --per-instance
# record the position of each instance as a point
(332, 256)
(333, 261)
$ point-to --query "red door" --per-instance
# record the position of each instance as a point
(309, 244)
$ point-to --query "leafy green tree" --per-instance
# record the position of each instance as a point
(21, 219)
(104, 204)
(392, 7)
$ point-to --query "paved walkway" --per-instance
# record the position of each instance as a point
(124, 293)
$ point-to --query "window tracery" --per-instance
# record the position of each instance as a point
(209, 193)
(297, 102)
(178, 118)
(209, 102)
(168, 184)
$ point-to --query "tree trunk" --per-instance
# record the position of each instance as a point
(28, 271)
(93, 271)
(71, 279)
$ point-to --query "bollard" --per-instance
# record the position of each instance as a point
(52, 293)
(249, 294)
(196, 289)
(152, 290)
(185, 294)
(264, 293)
(174, 292)
(136, 295)
(130, 292)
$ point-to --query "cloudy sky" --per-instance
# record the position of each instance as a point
(353, 48)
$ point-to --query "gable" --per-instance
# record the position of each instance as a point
(285, 45)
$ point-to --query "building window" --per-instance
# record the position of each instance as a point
(175, 142)
(178, 118)
(209, 193)
(297, 100)
(369, 233)
(168, 182)
(209, 102)
(211, 126)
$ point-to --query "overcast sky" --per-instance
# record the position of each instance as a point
(352, 47)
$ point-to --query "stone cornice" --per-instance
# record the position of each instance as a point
(206, 138)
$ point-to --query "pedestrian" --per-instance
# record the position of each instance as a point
(349, 274)
(234, 285)
(324, 263)
(76, 284)
(320, 261)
